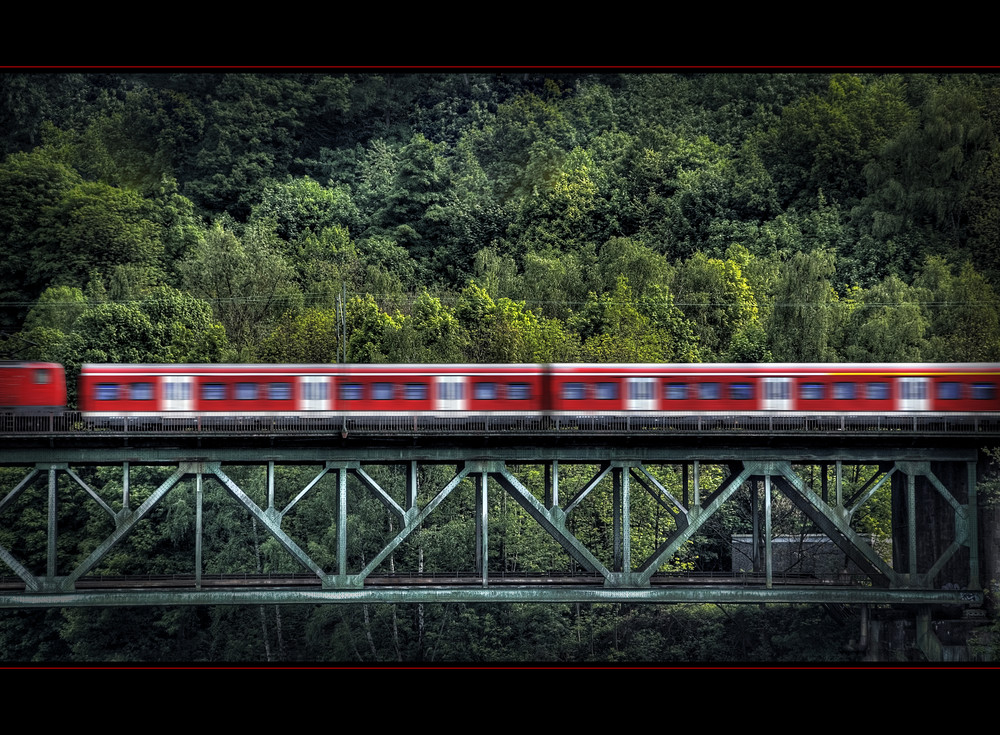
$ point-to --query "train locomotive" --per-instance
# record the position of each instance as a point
(32, 387)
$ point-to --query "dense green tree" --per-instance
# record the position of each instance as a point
(615, 327)
(717, 300)
(822, 141)
(886, 324)
(963, 311)
(248, 282)
(804, 312)
(506, 331)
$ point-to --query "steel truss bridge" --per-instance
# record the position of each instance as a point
(77, 505)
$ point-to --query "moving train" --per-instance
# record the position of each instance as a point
(194, 391)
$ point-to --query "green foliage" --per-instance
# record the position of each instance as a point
(615, 327)
(248, 281)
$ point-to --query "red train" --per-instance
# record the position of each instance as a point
(184, 391)
(187, 391)
(32, 387)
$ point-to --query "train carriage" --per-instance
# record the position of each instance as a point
(314, 391)
(813, 389)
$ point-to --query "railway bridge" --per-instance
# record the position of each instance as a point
(739, 509)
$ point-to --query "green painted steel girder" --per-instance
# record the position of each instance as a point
(470, 594)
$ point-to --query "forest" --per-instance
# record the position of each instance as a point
(488, 217)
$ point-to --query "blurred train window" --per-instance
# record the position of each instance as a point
(812, 391)
(877, 391)
(573, 391)
(984, 391)
(451, 391)
(213, 391)
(641, 390)
(42, 376)
(382, 391)
(177, 391)
(606, 391)
(777, 389)
(141, 391)
(675, 391)
(485, 391)
(246, 391)
(315, 391)
(949, 391)
(415, 392)
(351, 391)
(709, 391)
(845, 391)
(518, 392)
(913, 390)
(279, 391)
(106, 392)
(741, 391)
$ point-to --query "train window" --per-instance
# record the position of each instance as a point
(641, 390)
(877, 391)
(949, 391)
(573, 391)
(177, 391)
(606, 391)
(709, 391)
(382, 391)
(42, 377)
(351, 391)
(741, 391)
(451, 391)
(246, 391)
(485, 391)
(675, 391)
(812, 391)
(777, 389)
(984, 391)
(415, 392)
(518, 392)
(106, 392)
(213, 391)
(141, 391)
(845, 391)
(315, 391)
(915, 390)
(279, 391)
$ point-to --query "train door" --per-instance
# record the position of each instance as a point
(641, 394)
(315, 392)
(449, 393)
(777, 394)
(178, 392)
(913, 394)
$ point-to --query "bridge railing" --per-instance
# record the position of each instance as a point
(74, 423)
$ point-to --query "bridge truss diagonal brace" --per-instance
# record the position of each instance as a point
(643, 476)
(552, 520)
(122, 529)
(412, 522)
(29, 579)
(964, 520)
(677, 539)
(268, 520)
(830, 520)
